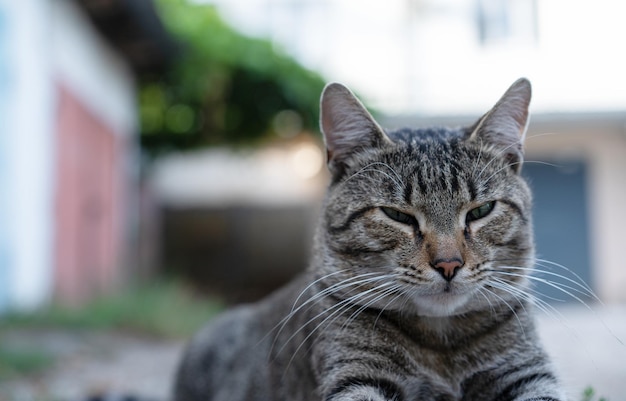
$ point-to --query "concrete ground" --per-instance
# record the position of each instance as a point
(587, 348)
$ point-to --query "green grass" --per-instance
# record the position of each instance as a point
(19, 362)
(163, 309)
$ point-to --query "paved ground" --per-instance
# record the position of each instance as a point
(589, 348)
(93, 362)
(585, 346)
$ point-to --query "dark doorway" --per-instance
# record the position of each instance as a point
(561, 227)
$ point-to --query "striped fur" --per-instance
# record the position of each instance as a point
(417, 289)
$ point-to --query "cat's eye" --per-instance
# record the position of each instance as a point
(480, 211)
(399, 216)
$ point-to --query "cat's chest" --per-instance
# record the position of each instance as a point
(446, 355)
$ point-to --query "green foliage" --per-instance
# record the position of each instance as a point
(224, 87)
(19, 362)
(164, 309)
(589, 394)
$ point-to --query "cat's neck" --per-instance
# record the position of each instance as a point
(450, 332)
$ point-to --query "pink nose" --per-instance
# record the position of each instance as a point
(447, 267)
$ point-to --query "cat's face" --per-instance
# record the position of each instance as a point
(435, 221)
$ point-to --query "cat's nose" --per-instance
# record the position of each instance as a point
(448, 267)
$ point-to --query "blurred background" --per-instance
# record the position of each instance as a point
(160, 159)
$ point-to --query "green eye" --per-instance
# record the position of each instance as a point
(398, 216)
(480, 212)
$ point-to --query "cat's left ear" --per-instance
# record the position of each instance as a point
(347, 126)
(504, 126)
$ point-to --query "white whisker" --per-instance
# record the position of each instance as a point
(396, 179)
(338, 309)
(356, 281)
(545, 262)
(373, 301)
(347, 302)
(580, 286)
(507, 305)
(561, 287)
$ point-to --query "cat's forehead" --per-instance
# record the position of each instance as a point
(427, 136)
(435, 146)
(436, 162)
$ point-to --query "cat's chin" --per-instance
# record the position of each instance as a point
(442, 304)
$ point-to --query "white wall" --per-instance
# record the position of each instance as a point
(31, 165)
(50, 42)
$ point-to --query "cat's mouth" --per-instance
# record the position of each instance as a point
(444, 300)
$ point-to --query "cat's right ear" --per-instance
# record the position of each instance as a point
(347, 126)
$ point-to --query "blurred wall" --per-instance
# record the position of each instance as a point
(239, 223)
(70, 115)
(27, 143)
(598, 142)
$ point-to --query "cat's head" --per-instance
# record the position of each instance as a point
(434, 220)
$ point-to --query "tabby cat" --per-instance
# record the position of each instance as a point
(417, 288)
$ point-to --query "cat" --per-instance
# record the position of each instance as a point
(417, 287)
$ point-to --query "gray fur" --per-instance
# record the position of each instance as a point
(406, 298)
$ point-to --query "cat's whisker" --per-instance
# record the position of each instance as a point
(308, 287)
(397, 180)
(354, 281)
(544, 262)
(543, 163)
(399, 294)
(518, 163)
(337, 306)
(478, 158)
(501, 169)
(559, 286)
(319, 295)
(579, 286)
(398, 177)
(551, 312)
(507, 305)
(535, 136)
(547, 263)
(498, 157)
(481, 292)
(563, 288)
(379, 297)
(338, 309)
(517, 293)
(522, 294)
(372, 298)
(358, 280)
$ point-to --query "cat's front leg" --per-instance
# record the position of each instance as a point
(530, 380)
(365, 389)
(532, 386)
(543, 399)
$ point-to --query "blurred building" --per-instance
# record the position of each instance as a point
(420, 62)
(68, 156)
(449, 56)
